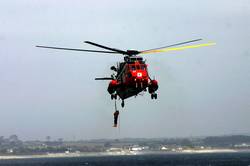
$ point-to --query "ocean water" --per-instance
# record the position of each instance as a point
(219, 159)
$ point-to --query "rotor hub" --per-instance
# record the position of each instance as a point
(132, 52)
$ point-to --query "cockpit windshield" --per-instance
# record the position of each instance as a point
(138, 67)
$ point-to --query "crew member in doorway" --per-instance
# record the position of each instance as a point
(116, 114)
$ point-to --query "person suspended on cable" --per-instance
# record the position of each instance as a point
(116, 114)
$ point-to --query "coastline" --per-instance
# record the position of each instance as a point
(122, 153)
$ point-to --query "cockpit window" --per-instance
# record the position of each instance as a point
(142, 67)
(138, 67)
(132, 67)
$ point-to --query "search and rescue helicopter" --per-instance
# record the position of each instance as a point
(131, 75)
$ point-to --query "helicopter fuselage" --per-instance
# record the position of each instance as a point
(131, 79)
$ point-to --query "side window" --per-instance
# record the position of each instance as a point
(129, 75)
(132, 67)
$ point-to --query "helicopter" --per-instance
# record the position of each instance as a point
(131, 75)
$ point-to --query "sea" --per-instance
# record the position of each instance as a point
(209, 159)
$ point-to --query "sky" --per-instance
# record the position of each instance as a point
(203, 91)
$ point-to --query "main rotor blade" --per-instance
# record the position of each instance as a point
(107, 48)
(177, 48)
(172, 45)
(76, 49)
(104, 78)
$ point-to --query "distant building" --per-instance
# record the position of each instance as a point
(164, 148)
(138, 148)
(10, 150)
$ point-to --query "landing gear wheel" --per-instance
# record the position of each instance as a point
(113, 96)
(153, 96)
(122, 104)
